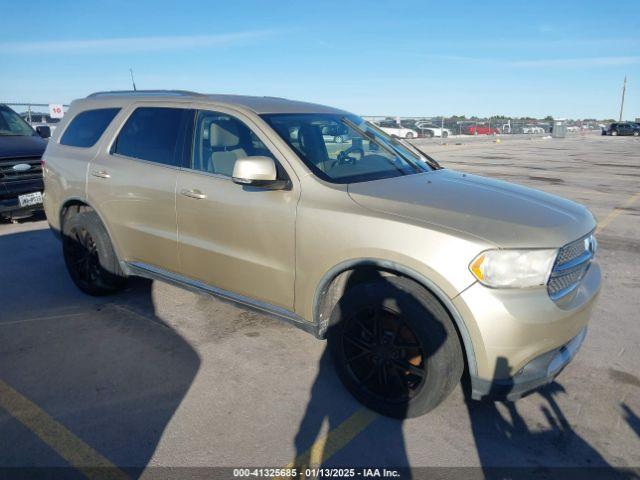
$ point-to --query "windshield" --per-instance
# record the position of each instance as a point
(346, 149)
(12, 124)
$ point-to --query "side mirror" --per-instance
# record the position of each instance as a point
(258, 172)
(44, 131)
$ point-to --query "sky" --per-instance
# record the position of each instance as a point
(561, 58)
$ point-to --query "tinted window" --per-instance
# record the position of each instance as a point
(220, 140)
(154, 134)
(87, 127)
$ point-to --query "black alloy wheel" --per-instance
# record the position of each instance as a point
(81, 253)
(383, 355)
(89, 255)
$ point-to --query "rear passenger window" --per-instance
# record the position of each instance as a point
(86, 128)
(155, 134)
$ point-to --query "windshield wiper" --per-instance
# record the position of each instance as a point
(389, 150)
(429, 160)
(401, 141)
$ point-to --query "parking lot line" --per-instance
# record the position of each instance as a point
(77, 453)
(41, 319)
(617, 211)
(335, 440)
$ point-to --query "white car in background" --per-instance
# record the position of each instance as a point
(430, 130)
(532, 129)
(397, 130)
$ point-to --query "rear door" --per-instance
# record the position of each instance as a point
(236, 238)
(132, 184)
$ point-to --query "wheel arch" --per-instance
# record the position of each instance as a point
(74, 205)
(70, 207)
(334, 282)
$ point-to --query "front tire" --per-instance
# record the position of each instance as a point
(394, 347)
(89, 255)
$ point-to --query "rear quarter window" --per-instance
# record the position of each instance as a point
(87, 127)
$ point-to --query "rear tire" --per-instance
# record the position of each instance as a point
(409, 135)
(89, 255)
(394, 347)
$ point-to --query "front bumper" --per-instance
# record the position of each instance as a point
(10, 191)
(537, 373)
(521, 338)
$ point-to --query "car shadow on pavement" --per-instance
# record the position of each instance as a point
(108, 369)
(632, 419)
(509, 446)
(334, 409)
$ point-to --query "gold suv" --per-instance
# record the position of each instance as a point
(414, 273)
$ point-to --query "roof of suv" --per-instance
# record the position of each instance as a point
(258, 105)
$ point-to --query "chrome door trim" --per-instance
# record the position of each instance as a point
(149, 271)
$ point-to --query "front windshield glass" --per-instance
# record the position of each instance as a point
(12, 124)
(345, 149)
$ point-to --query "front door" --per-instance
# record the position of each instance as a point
(236, 238)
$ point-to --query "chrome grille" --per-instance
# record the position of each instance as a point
(571, 264)
(569, 252)
(8, 173)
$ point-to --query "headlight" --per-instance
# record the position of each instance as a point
(513, 268)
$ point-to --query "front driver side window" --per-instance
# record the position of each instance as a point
(220, 140)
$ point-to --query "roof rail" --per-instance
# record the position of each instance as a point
(184, 93)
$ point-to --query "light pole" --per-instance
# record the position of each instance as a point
(132, 80)
(624, 88)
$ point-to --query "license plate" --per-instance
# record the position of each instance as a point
(30, 199)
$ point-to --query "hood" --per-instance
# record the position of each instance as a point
(12, 146)
(507, 215)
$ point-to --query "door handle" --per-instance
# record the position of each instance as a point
(100, 174)
(193, 194)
